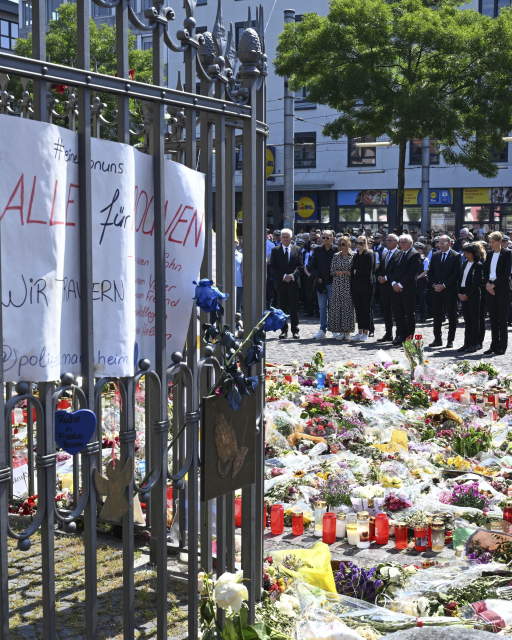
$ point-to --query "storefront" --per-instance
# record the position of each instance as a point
(368, 208)
(441, 210)
(488, 209)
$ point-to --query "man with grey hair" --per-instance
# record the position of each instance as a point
(463, 236)
(443, 275)
(384, 273)
(403, 281)
(286, 265)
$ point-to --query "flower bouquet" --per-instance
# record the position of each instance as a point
(413, 348)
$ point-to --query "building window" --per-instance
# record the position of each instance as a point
(51, 9)
(8, 34)
(27, 14)
(199, 2)
(301, 100)
(492, 8)
(147, 43)
(359, 156)
(501, 155)
(305, 150)
(415, 152)
(239, 158)
(98, 12)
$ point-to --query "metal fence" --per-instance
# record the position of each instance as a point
(202, 132)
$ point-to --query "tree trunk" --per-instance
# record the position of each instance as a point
(401, 185)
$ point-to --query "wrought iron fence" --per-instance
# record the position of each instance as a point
(201, 131)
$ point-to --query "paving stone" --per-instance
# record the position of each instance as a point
(26, 631)
(440, 633)
(302, 350)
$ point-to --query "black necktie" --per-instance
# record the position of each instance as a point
(444, 258)
(287, 254)
(388, 256)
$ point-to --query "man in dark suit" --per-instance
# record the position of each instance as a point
(384, 278)
(403, 282)
(286, 265)
(443, 274)
(497, 278)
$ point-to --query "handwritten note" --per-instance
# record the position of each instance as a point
(41, 288)
(74, 430)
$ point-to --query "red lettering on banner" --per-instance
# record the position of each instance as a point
(52, 221)
(137, 207)
(181, 220)
(70, 224)
(16, 207)
(150, 232)
(29, 220)
(197, 233)
(172, 221)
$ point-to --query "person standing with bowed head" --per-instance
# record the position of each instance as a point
(363, 270)
(384, 273)
(341, 307)
(468, 287)
(443, 275)
(286, 265)
(403, 281)
(497, 296)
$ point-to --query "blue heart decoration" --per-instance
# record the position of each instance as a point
(74, 430)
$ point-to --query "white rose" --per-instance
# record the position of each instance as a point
(384, 572)
(394, 574)
(422, 606)
(229, 592)
(291, 599)
(285, 607)
(410, 569)
(201, 586)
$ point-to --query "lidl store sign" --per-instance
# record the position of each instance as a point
(271, 161)
(307, 209)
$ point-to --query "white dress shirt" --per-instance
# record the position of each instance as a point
(494, 262)
(466, 271)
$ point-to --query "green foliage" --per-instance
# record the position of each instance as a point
(61, 48)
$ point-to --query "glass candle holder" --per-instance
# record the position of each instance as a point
(420, 537)
(507, 511)
(341, 525)
(401, 535)
(381, 528)
(352, 536)
(277, 519)
(329, 528)
(297, 524)
(320, 509)
(363, 530)
(372, 527)
(429, 532)
(238, 512)
(437, 528)
(335, 389)
(320, 377)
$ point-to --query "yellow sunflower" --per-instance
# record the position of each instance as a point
(299, 474)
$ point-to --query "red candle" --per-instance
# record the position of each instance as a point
(420, 537)
(335, 389)
(288, 379)
(277, 519)
(264, 516)
(297, 524)
(372, 529)
(434, 395)
(381, 528)
(238, 512)
(401, 538)
(329, 528)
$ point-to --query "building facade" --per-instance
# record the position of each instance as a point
(8, 25)
(336, 184)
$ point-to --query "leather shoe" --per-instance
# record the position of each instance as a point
(397, 341)
(282, 336)
(471, 350)
(499, 352)
(488, 352)
(436, 343)
(385, 338)
(296, 335)
(449, 345)
(478, 347)
(371, 334)
(463, 348)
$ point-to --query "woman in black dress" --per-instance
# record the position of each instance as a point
(362, 283)
(469, 290)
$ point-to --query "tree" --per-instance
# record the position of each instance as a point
(404, 69)
(61, 48)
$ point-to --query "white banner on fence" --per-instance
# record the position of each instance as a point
(41, 289)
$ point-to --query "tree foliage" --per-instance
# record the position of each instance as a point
(407, 69)
(61, 48)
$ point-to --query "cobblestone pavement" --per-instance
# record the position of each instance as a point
(25, 592)
(302, 350)
(342, 551)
